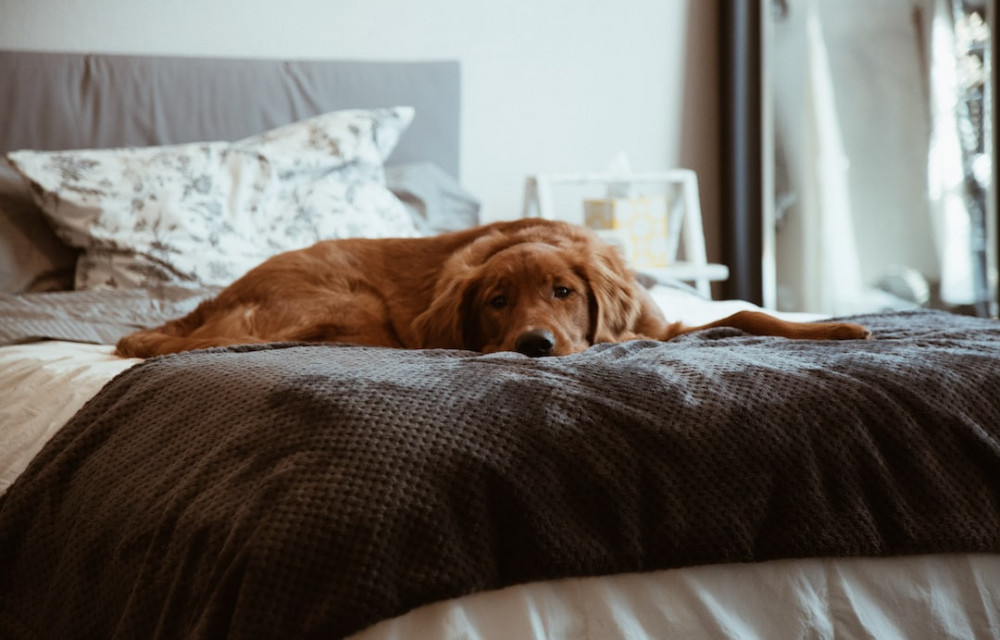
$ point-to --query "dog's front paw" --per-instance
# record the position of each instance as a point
(849, 331)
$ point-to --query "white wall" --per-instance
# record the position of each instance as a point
(548, 85)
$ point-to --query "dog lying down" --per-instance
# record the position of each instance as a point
(538, 287)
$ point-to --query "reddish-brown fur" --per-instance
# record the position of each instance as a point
(536, 286)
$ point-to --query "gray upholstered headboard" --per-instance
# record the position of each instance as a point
(72, 100)
(75, 101)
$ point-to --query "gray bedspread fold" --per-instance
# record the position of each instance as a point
(98, 317)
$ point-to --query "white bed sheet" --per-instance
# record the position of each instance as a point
(940, 596)
(684, 305)
(930, 597)
(42, 385)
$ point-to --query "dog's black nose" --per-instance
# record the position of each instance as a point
(535, 343)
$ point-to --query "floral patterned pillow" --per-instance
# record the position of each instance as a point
(205, 213)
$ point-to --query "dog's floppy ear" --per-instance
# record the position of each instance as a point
(446, 323)
(614, 305)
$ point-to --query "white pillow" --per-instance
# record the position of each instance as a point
(207, 212)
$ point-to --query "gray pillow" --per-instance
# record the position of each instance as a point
(437, 201)
(32, 257)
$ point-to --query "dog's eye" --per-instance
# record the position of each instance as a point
(498, 302)
(562, 292)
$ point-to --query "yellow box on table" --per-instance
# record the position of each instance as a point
(638, 224)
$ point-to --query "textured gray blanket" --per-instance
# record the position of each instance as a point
(310, 491)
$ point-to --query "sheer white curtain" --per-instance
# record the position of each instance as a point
(817, 261)
(945, 173)
(826, 197)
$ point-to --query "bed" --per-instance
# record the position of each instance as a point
(717, 486)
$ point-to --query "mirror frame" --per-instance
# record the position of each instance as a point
(742, 150)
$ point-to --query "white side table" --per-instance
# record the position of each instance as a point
(684, 219)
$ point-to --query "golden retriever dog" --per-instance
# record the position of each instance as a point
(538, 287)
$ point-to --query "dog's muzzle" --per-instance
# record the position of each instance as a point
(535, 343)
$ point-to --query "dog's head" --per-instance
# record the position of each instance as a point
(546, 290)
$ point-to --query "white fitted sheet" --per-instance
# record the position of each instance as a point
(42, 384)
(907, 598)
